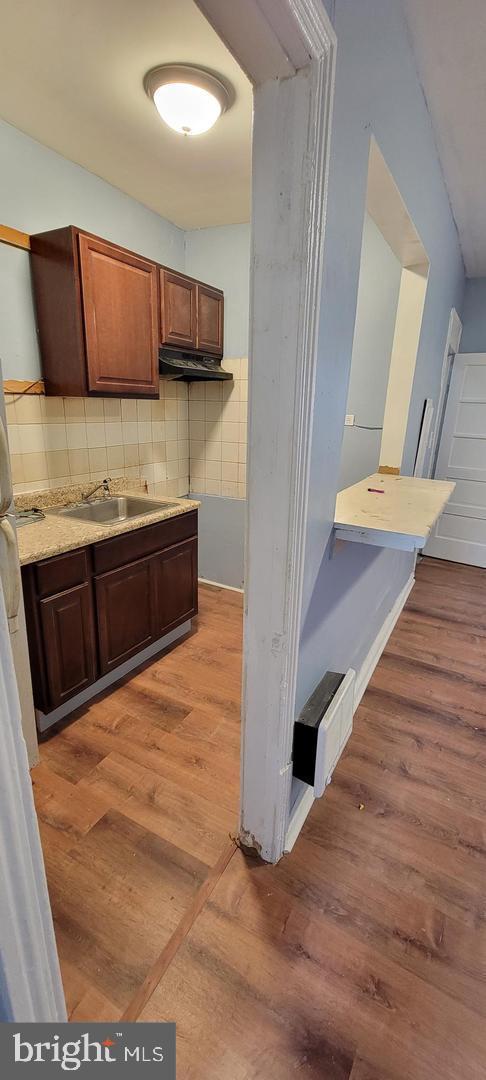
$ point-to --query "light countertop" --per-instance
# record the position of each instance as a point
(399, 512)
(56, 533)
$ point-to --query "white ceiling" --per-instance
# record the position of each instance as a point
(71, 76)
(449, 38)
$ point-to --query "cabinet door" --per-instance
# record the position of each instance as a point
(69, 642)
(125, 603)
(178, 296)
(210, 310)
(175, 585)
(120, 300)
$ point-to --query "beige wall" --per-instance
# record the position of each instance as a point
(408, 326)
(54, 441)
(218, 433)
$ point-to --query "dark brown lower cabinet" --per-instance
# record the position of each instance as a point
(90, 610)
(68, 630)
(125, 603)
(175, 573)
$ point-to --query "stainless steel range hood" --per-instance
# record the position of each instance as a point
(177, 364)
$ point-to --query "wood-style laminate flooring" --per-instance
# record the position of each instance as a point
(362, 955)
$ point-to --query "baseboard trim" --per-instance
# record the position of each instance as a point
(304, 803)
(219, 584)
(367, 668)
(46, 720)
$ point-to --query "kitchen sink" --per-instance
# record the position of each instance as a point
(114, 509)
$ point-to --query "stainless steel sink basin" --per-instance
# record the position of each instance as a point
(112, 510)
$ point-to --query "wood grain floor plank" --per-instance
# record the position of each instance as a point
(362, 955)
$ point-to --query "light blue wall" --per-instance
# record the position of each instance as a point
(347, 596)
(474, 316)
(41, 190)
(379, 285)
(221, 256)
(221, 539)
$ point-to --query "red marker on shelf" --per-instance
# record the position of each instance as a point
(377, 491)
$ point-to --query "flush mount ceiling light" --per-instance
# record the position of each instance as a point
(188, 98)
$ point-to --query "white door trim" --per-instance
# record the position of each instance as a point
(30, 981)
(452, 344)
(293, 93)
(288, 49)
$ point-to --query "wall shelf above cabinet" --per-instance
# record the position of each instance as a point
(390, 511)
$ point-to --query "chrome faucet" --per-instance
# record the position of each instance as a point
(105, 484)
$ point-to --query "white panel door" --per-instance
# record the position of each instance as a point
(460, 533)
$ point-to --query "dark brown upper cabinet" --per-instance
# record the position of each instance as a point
(97, 311)
(210, 320)
(191, 314)
(178, 309)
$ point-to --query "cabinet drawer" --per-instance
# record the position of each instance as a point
(62, 572)
(110, 554)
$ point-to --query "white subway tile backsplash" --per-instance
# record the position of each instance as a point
(98, 461)
(158, 431)
(94, 410)
(229, 451)
(172, 450)
(113, 432)
(95, 434)
(144, 411)
(130, 429)
(13, 437)
(171, 429)
(214, 470)
(32, 438)
(129, 410)
(160, 471)
(197, 430)
(115, 458)
(229, 471)
(76, 436)
(213, 450)
(57, 439)
(55, 435)
(230, 432)
(144, 428)
(112, 409)
(218, 433)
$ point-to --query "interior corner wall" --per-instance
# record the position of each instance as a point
(349, 592)
(474, 316)
(221, 256)
(379, 285)
(413, 288)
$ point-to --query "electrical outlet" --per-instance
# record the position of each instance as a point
(349, 419)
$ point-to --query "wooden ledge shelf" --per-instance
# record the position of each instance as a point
(399, 513)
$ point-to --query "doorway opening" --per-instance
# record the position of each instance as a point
(87, 793)
(391, 297)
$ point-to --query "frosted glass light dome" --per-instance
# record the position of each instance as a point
(188, 99)
(186, 108)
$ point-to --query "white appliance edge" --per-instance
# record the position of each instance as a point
(11, 580)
